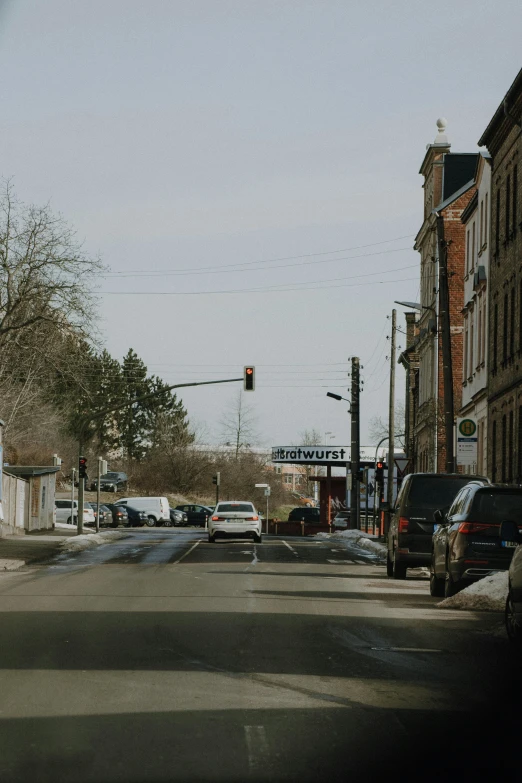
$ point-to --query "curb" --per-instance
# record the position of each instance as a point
(11, 565)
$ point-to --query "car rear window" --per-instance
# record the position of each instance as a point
(232, 507)
(491, 506)
(435, 492)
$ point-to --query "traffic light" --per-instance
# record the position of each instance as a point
(216, 479)
(379, 472)
(249, 382)
(82, 469)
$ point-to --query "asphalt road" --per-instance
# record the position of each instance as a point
(162, 657)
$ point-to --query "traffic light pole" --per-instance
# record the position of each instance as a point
(391, 427)
(112, 409)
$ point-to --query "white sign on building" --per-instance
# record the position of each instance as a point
(467, 440)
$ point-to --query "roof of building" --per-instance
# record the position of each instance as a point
(459, 169)
(28, 470)
(514, 92)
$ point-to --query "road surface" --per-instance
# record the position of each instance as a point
(162, 657)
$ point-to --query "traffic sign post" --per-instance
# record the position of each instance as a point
(467, 441)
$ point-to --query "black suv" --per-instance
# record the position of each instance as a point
(300, 514)
(111, 482)
(466, 545)
(412, 522)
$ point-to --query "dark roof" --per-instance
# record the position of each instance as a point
(512, 94)
(459, 169)
(27, 470)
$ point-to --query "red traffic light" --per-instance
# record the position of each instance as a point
(249, 378)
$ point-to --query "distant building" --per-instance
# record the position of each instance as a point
(503, 139)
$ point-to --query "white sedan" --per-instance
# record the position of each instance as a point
(234, 519)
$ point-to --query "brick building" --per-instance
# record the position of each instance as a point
(503, 139)
(449, 185)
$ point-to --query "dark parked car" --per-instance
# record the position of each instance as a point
(119, 514)
(310, 515)
(111, 482)
(105, 514)
(511, 537)
(177, 518)
(136, 518)
(467, 545)
(197, 515)
(411, 525)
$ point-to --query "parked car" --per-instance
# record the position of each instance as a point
(177, 518)
(197, 515)
(341, 520)
(113, 481)
(303, 513)
(236, 518)
(63, 512)
(105, 514)
(136, 517)
(156, 508)
(409, 539)
(466, 545)
(511, 537)
(119, 514)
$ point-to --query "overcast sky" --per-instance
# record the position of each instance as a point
(217, 138)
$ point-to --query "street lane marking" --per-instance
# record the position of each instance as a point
(188, 552)
(257, 748)
(407, 649)
(290, 548)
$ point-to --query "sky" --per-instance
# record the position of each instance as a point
(261, 147)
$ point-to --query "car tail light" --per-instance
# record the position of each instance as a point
(215, 519)
(403, 524)
(475, 527)
(251, 519)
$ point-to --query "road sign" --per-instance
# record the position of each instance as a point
(401, 463)
(261, 485)
(467, 441)
(267, 492)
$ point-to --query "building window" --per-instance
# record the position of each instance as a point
(504, 449)
(473, 247)
(481, 223)
(508, 205)
(471, 338)
(479, 332)
(486, 226)
(497, 224)
(495, 338)
(515, 196)
(287, 478)
(512, 325)
(465, 349)
(505, 329)
(494, 452)
(510, 449)
(468, 250)
(519, 447)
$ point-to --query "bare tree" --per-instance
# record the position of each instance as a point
(308, 438)
(44, 274)
(238, 424)
(378, 427)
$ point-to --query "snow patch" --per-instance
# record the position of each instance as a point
(487, 595)
(357, 538)
(77, 543)
(70, 528)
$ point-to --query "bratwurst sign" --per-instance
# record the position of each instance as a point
(311, 455)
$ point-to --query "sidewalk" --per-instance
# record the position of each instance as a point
(17, 551)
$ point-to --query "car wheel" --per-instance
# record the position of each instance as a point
(399, 569)
(167, 523)
(258, 539)
(69, 520)
(436, 583)
(211, 539)
(389, 564)
(151, 521)
(451, 588)
(513, 629)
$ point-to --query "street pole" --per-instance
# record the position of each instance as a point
(391, 426)
(98, 496)
(267, 496)
(355, 444)
(445, 333)
(81, 498)
(366, 484)
(72, 496)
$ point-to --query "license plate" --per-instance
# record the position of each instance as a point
(509, 544)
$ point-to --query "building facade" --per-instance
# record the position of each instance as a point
(449, 185)
(503, 139)
(476, 221)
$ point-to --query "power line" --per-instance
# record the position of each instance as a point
(146, 272)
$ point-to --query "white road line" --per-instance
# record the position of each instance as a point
(257, 748)
(188, 552)
(289, 547)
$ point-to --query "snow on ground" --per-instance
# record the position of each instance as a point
(357, 538)
(65, 526)
(77, 543)
(487, 595)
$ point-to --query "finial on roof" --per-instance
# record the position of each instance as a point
(441, 137)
